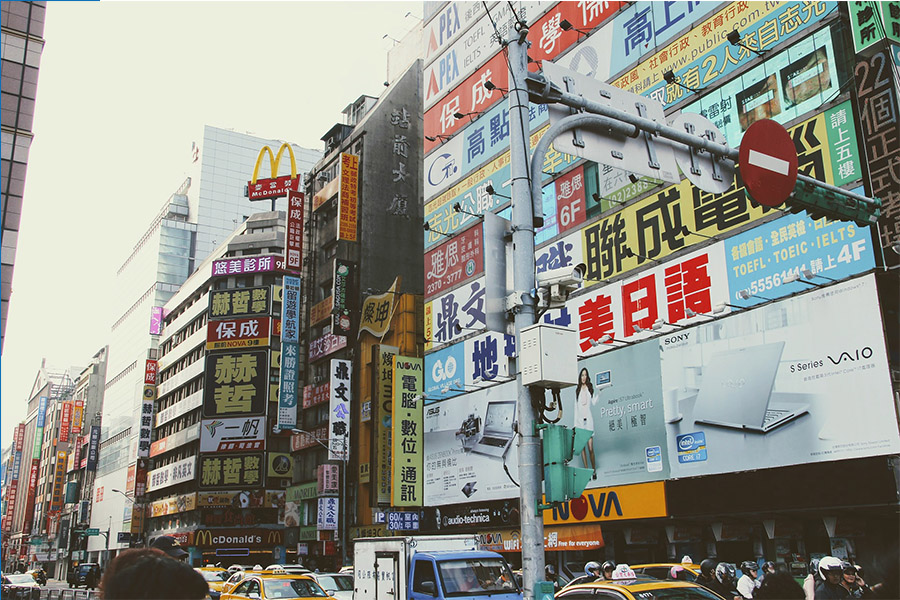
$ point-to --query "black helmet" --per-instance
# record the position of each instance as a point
(607, 566)
(749, 565)
(707, 567)
(725, 572)
(769, 567)
(847, 567)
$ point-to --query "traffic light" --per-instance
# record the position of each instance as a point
(563, 482)
(819, 202)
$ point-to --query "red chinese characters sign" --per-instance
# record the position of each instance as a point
(570, 200)
(150, 369)
(455, 261)
(274, 187)
(316, 394)
(238, 333)
(294, 232)
(548, 40)
(65, 421)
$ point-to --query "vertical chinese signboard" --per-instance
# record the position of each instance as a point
(35, 460)
(293, 239)
(290, 352)
(407, 420)
(342, 297)
(65, 421)
(146, 430)
(339, 416)
(383, 359)
(347, 198)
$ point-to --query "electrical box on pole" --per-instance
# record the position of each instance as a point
(563, 482)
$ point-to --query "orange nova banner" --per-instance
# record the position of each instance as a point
(638, 501)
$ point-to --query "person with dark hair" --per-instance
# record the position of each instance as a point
(170, 546)
(150, 574)
(779, 586)
(707, 573)
(606, 570)
(584, 400)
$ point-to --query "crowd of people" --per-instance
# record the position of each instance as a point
(829, 579)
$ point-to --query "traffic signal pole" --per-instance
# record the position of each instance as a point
(523, 231)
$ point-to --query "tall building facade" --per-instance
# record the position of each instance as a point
(23, 42)
(364, 228)
(203, 211)
(700, 313)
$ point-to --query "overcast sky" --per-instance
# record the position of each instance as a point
(124, 89)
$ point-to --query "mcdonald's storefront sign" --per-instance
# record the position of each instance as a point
(244, 537)
(276, 186)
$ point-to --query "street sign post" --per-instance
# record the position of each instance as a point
(92, 531)
(768, 162)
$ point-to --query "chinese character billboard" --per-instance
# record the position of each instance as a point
(239, 302)
(407, 472)
(339, 415)
(236, 434)
(236, 384)
(232, 470)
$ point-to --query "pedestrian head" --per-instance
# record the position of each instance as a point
(849, 573)
(779, 586)
(607, 569)
(707, 567)
(148, 573)
(170, 546)
(831, 570)
(750, 568)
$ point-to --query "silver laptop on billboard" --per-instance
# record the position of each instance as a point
(498, 432)
(737, 390)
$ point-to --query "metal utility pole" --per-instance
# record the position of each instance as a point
(530, 464)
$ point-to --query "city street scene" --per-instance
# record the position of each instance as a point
(450, 300)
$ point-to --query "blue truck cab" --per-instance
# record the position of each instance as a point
(430, 568)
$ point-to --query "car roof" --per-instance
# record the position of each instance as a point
(638, 585)
(690, 566)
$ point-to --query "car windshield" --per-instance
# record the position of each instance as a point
(214, 575)
(20, 578)
(675, 593)
(335, 582)
(476, 576)
(292, 588)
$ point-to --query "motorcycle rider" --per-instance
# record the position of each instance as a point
(747, 583)
(831, 571)
(724, 582)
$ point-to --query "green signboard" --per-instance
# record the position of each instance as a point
(873, 21)
(92, 531)
(842, 144)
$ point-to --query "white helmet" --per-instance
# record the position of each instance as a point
(829, 563)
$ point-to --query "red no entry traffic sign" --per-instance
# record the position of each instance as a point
(768, 162)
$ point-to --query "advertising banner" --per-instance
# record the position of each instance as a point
(339, 416)
(702, 56)
(328, 479)
(406, 465)
(293, 237)
(290, 352)
(242, 538)
(56, 497)
(445, 372)
(20, 437)
(304, 439)
(156, 319)
(455, 313)
(65, 420)
(795, 81)
(402, 521)
(238, 434)
(151, 370)
(881, 137)
(279, 464)
(327, 514)
(788, 369)
(93, 448)
(316, 394)
(455, 261)
(639, 501)
(571, 203)
(321, 310)
(343, 296)
(377, 311)
(171, 474)
(277, 185)
(383, 400)
(348, 198)
(470, 517)
(232, 470)
(293, 502)
(236, 384)
(325, 345)
(460, 466)
(464, 366)
(246, 265)
(257, 498)
(659, 225)
(871, 22)
(446, 27)
(238, 333)
(239, 302)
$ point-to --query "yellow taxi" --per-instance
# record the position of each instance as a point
(627, 585)
(238, 576)
(215, 578)
(664, 570)
(265, 586)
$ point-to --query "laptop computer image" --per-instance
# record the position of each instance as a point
(498, 433)
(736, 390)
